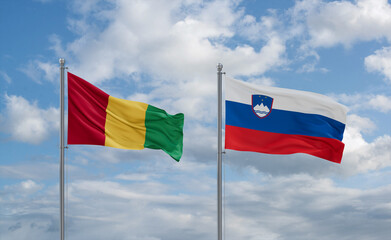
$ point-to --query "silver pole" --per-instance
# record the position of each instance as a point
(62, 217)
(219, 154)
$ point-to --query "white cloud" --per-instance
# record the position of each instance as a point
(344, 22)
(381, 103)
(361, 124)
(39, 71)
(5, 76)
(295, 207)
(303, 207)
(364, 102)
(33, 171)
(244, 60)
(140, 97)
(170, 46)
(319, 23)
(178, 46)
(263, 81)
(380, 62)
(361, 156)
(26, 122)
(24, 188)
(311, 67)
(135, 177)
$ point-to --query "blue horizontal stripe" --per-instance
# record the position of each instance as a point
(281, 121)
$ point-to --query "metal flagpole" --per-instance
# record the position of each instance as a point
(62, 218)
(219, 154)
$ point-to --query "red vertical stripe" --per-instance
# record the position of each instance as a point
(243, 139)
(86, 112)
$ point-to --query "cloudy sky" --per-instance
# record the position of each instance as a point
(164, 53)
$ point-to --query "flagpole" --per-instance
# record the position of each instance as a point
(62, 217)
(219, 154)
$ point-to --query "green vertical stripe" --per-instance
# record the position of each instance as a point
(164, 131)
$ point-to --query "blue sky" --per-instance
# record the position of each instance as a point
(165, 53)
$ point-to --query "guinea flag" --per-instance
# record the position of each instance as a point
(96, 118)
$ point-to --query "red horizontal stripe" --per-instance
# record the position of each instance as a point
(243, 139)
(86, 112)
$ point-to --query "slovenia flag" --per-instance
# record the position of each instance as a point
(283, 121)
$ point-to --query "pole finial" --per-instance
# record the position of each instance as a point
(219, 67)
(62, 61)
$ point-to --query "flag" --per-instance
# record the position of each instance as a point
(283, 121)
(96, 118)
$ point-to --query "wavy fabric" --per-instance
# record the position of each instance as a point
(291, 121)
(96, 118)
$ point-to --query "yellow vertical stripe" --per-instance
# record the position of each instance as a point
(125, 124)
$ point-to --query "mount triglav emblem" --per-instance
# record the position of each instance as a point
(262, 105)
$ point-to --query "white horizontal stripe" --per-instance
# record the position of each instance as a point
(286, 99)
